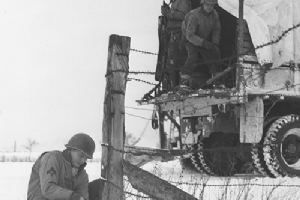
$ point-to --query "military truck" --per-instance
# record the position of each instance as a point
(252, 125)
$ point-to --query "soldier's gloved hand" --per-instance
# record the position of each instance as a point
(208, 45)
(76, 196)
(165, 10)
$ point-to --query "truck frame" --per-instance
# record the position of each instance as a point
(251, 127)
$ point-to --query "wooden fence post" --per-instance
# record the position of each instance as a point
(240, 82)
(113, 120)
(152, 185)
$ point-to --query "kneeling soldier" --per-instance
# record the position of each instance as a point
(61, 175)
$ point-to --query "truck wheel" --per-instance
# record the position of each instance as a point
(257, 152)
(221, 163)
(198, 159)
(258, 160)
(186, 164)
(281, 147)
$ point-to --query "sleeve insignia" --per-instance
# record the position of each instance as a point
(51, 171)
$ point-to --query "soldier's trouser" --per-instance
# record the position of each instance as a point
(199, 55)
(176, 57)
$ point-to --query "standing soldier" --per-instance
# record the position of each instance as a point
(176, 50)
(202, 30)
(61, 175)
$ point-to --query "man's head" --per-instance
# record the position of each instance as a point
(82, 147)
(208, 5)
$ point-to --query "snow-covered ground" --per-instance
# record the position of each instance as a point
(14, 178)
(215, 188)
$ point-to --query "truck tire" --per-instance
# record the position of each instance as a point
(281, 146)
(186, 164)
(220, 163)
(257, 152)
(198, 160)
(258, 160)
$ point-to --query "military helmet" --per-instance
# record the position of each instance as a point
(83, 143)
(210, 1)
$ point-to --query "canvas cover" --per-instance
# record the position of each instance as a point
(268, 19)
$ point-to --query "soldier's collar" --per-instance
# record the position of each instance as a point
(67, 156)
(204, 12)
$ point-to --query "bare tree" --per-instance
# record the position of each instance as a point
(29, 145)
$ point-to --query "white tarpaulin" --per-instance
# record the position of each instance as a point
(268, 19)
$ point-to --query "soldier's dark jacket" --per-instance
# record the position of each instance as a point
(51, 178)
(200, 25)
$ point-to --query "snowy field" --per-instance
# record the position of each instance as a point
(14, 178)
(216, 188)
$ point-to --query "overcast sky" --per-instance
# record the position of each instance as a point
(53, 56)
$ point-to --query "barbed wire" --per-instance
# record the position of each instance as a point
(140, 151)
(185, 152)
(202, 185)
(257, 76)
(275, 90)
(143, 52)
(142, 72)
(156, 90)
(272, 42)
(153, 72)
(199, 184)
(280, 37)
(232, 185)
(228, 94)
(220, 61)
(125, 192)
(138, 139)
(230, 58)
(136, 195)
(133, 115)
(148, 72)
(110, 72)
(135, 108)
(140, 80)
(261, 73)
(226, 59)
(157, 86)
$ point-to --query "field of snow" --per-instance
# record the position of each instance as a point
(215, 188)
(14, 178)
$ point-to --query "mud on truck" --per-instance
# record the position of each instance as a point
(252, 125)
